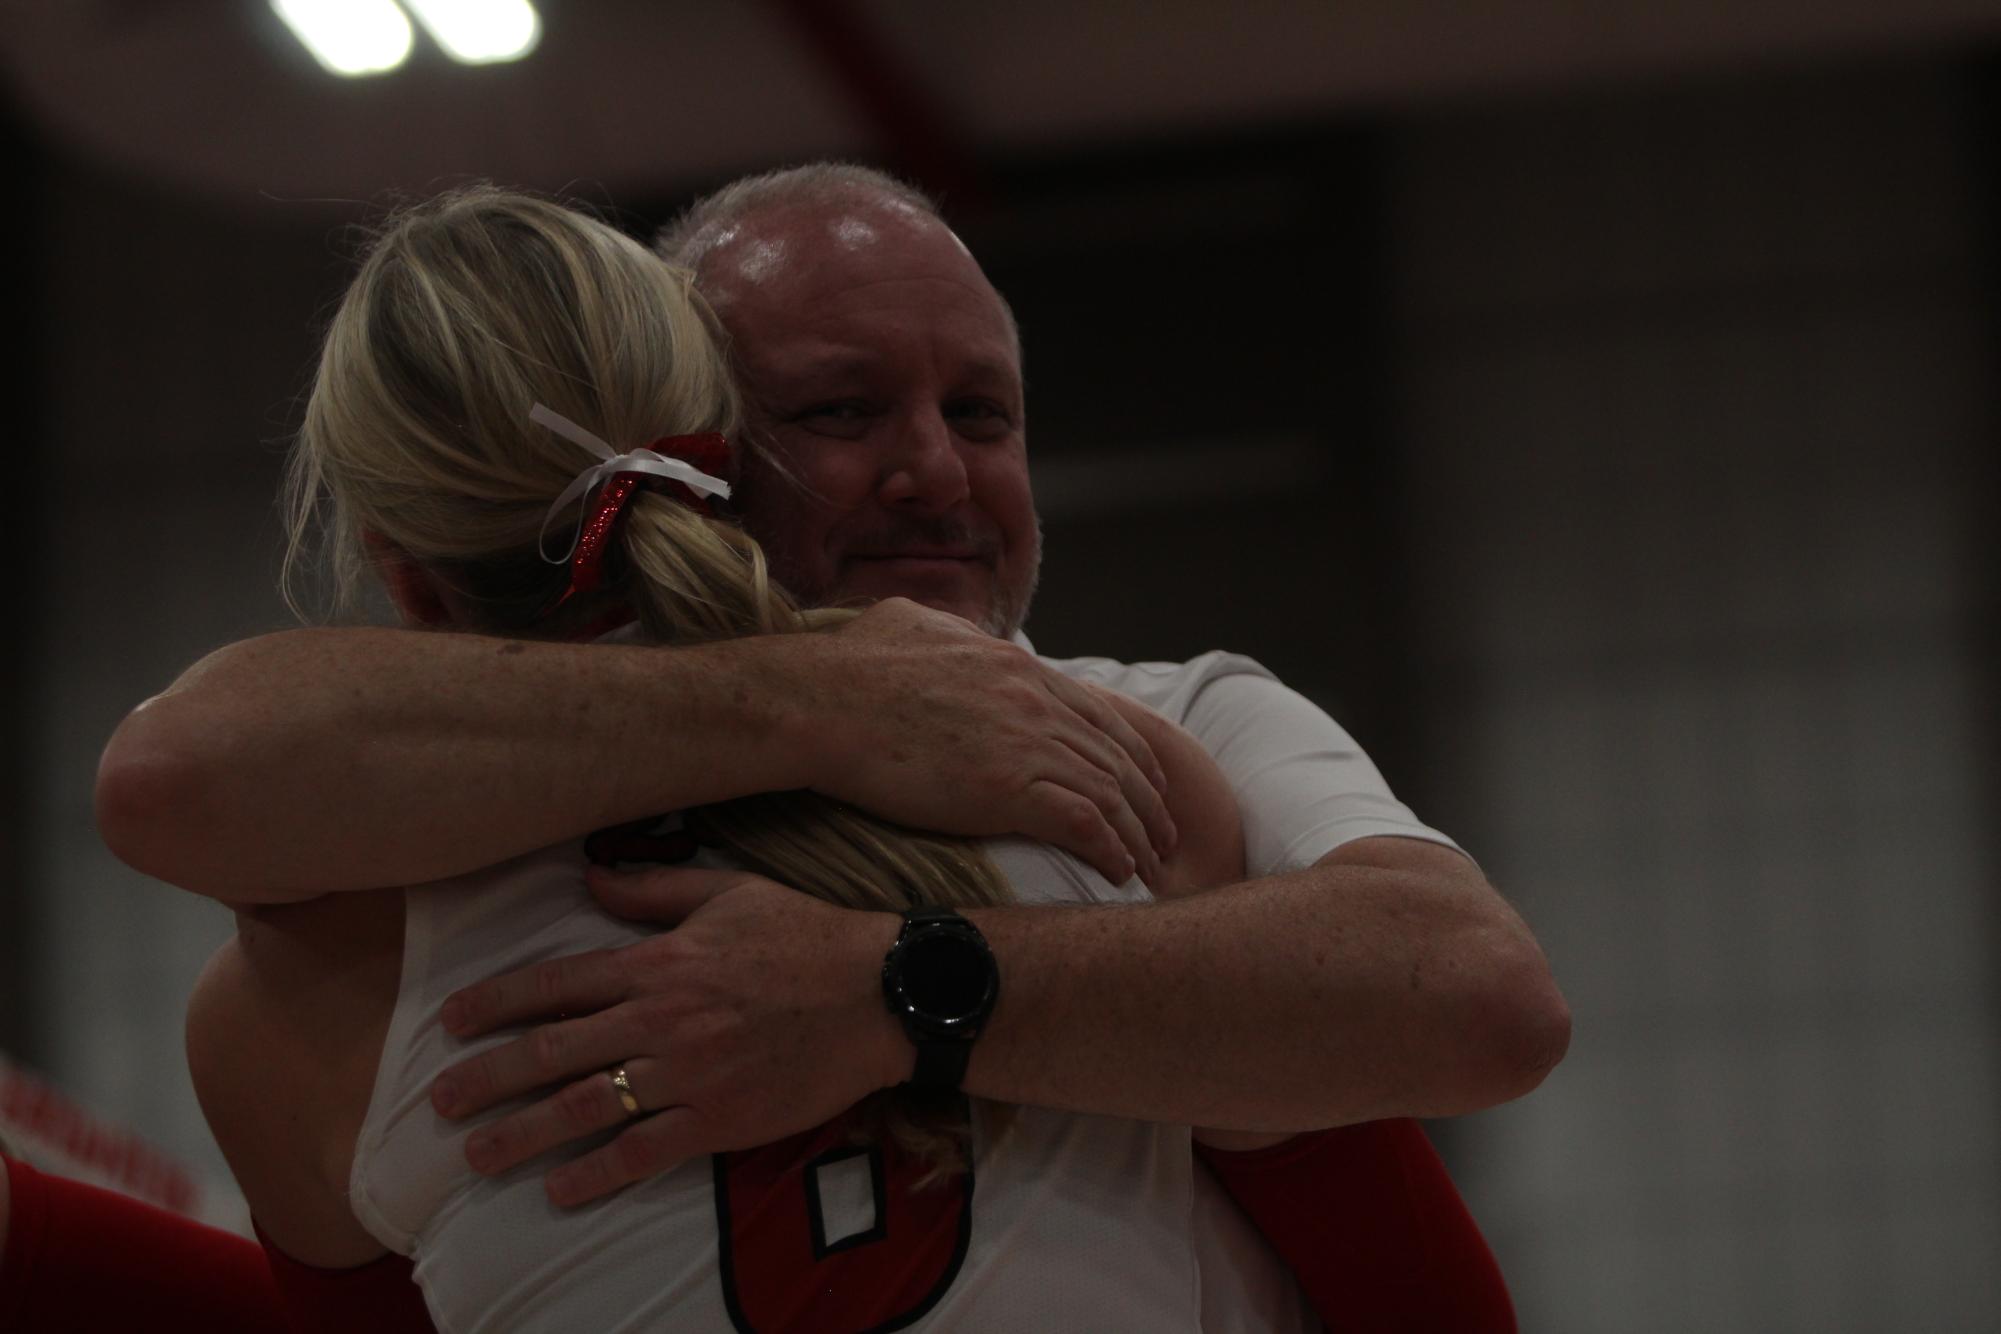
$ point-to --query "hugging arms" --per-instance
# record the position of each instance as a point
(1384, 979)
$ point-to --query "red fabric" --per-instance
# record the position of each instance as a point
(779, 1277)
(1372, 1226)
(381, 1297)
(1365, 1216)
(81, 1260)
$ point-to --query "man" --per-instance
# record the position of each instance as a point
(1385, 978)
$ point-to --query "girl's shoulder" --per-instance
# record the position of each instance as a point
(284, 1032)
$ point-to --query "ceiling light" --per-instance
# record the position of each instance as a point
(480, 32)
(349, 37)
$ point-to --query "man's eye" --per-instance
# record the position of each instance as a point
(978, 414)
(846, 410)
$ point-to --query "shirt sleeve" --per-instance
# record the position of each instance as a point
(1303, 786)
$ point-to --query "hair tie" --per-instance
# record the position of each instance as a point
(615, 477)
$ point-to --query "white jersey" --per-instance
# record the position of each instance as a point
(1071, 1223)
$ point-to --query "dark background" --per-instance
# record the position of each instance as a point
(1593, 407)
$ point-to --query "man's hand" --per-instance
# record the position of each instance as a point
(758, 1016)
(928, 721)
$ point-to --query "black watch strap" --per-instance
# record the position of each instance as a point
(942, 1062)
(943, 1052)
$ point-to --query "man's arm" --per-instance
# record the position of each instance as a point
(320, 760)
(1388, 980)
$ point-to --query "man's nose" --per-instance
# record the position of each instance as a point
(924, 468)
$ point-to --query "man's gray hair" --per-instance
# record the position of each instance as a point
(688, 239)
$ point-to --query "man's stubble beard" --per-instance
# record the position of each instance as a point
(1005, 614)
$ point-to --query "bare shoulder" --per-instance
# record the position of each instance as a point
(284, 1032)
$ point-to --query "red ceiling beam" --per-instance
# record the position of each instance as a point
(922, 137)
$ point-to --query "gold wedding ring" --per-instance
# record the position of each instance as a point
(625, 1095)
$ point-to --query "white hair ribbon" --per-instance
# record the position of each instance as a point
(613, 463)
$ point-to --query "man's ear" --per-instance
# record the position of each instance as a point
(417, 595)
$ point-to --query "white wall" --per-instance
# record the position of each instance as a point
(1692, 379)
(178, 339)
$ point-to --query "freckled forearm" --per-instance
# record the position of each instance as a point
(315, 761)
(1326, 997)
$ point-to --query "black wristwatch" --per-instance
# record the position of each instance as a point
(941, 982)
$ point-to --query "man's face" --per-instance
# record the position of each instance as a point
(881, 368)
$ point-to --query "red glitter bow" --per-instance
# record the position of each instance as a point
(708, 452)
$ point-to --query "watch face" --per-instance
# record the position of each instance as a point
(945, 978)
